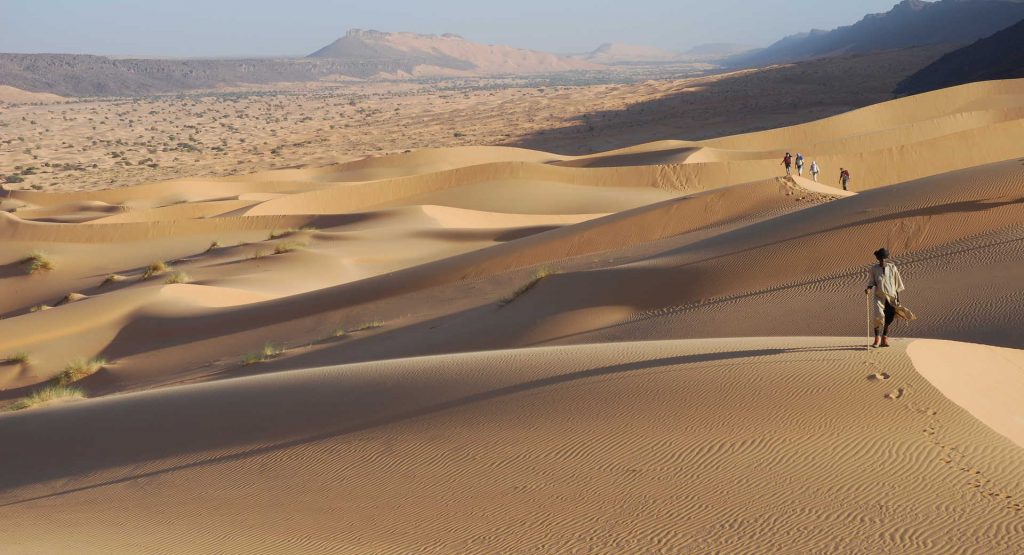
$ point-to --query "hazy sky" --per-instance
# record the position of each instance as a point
(207, 28)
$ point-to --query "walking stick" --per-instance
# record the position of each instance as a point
(867, 304)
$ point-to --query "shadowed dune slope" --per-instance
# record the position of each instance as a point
(372, 257)
(956, 237)
(653, 243)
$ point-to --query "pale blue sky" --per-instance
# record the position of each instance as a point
(206, 28)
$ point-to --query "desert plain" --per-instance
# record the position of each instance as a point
(269, 341)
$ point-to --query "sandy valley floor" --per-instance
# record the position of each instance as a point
(103, 143)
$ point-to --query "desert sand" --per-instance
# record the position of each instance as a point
(100, 143)
(655, 349)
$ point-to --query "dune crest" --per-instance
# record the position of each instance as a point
(986, 381)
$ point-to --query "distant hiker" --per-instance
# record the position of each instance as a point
(799, 164)
(787, 161)
(886, 282)
(815, 170)
(844, 178)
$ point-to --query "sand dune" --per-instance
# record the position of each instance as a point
(487, 349)
(722, 445)
(13, 95)
(994, 396)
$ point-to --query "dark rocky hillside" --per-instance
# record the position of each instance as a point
(1000, 56)
(84, 75)
(909, 24)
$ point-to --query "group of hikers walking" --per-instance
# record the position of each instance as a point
(788, 161)
(884, 278)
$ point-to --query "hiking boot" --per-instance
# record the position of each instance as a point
(875, 344)
(885, 342)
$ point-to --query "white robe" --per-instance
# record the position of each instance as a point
(887, 284)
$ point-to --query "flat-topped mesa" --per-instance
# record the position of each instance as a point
(449, 53)
(375, 34)
(365, 33)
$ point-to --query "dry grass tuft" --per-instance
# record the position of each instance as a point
(374, 324)
(72, 298)
(38, 262)
(113, 278)
(156, 268)
(213, 245)
(47, 394)
(20, 358)
(269, 351)
(287, 246)
(539, 275)
(80, 368)
(178, 277)
(40, 308)
(278, 234)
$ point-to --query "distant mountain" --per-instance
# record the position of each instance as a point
(716, 50)
(359, 54)
(443, 54)
(86, 75)
(613, 53)
(618, 53)
(1000, 56)
(910, 23)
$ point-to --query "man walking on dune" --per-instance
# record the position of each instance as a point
(844, 178)
(787, 161)
(799, 164)
(887, 283)
(815, 170)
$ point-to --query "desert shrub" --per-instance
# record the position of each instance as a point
(113, 278)
(38, 262)
(156, 268)
(80, 368)
(369, 325)
(47, 394)
(16, 358)
(288, 246)
(278, 234)
(269, 351)
(537, 277)
(178, 277)
(72, 298)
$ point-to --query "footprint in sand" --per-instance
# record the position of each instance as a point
(898, 394)
(879, 377)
